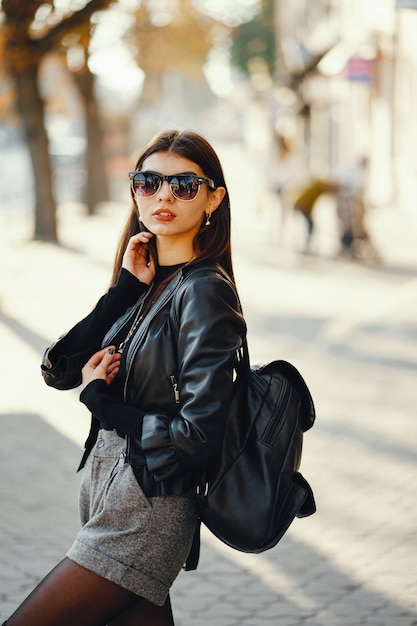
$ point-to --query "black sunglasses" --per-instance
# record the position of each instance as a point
(183, 186)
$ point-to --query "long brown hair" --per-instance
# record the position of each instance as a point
(211, 242)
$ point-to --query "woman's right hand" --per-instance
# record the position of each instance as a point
(104, 365)
(137, 259)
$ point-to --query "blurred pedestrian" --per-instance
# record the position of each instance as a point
(286, 166)
(305, 202)
(355, 240)
(155, 358)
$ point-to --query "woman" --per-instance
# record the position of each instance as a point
(156, 359)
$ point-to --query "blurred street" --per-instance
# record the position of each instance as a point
(351, 329)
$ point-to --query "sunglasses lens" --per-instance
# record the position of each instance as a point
(145, 184)
(184, 187)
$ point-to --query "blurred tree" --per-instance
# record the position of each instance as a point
(97, 182)
(170, 36)
(26, 40)
(8, 113)
(97, 189)
(254, 41)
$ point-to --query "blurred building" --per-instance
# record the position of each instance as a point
(353, 67)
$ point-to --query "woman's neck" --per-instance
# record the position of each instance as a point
(173, 254)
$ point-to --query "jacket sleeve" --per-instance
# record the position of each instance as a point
(211, 328)
(112, 411)
(64, 359)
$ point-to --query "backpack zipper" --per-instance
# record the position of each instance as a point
(274, 425)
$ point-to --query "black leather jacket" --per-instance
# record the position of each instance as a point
(179, 377)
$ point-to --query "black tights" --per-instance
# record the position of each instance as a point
(71, 594)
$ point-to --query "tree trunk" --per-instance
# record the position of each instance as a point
(97, 187)
(31, 110)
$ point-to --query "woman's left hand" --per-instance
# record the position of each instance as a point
(102, 365)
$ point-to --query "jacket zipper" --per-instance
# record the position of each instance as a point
(136, 341)
(131, 353)
(175, 388)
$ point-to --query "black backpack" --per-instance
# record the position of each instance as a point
(254, 491)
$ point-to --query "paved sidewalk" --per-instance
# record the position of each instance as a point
(352, 331)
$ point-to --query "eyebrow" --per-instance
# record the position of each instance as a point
(176, 173)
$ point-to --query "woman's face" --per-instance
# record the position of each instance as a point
(166, 216)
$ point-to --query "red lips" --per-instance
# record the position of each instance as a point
(164, 214)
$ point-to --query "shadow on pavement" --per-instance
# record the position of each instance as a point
(289, 585)
(39, 503)
(34, 340)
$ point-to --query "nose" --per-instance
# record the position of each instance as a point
(164, 192)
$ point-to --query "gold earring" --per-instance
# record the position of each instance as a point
(208, 216)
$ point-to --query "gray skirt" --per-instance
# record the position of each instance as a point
(136, 542)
